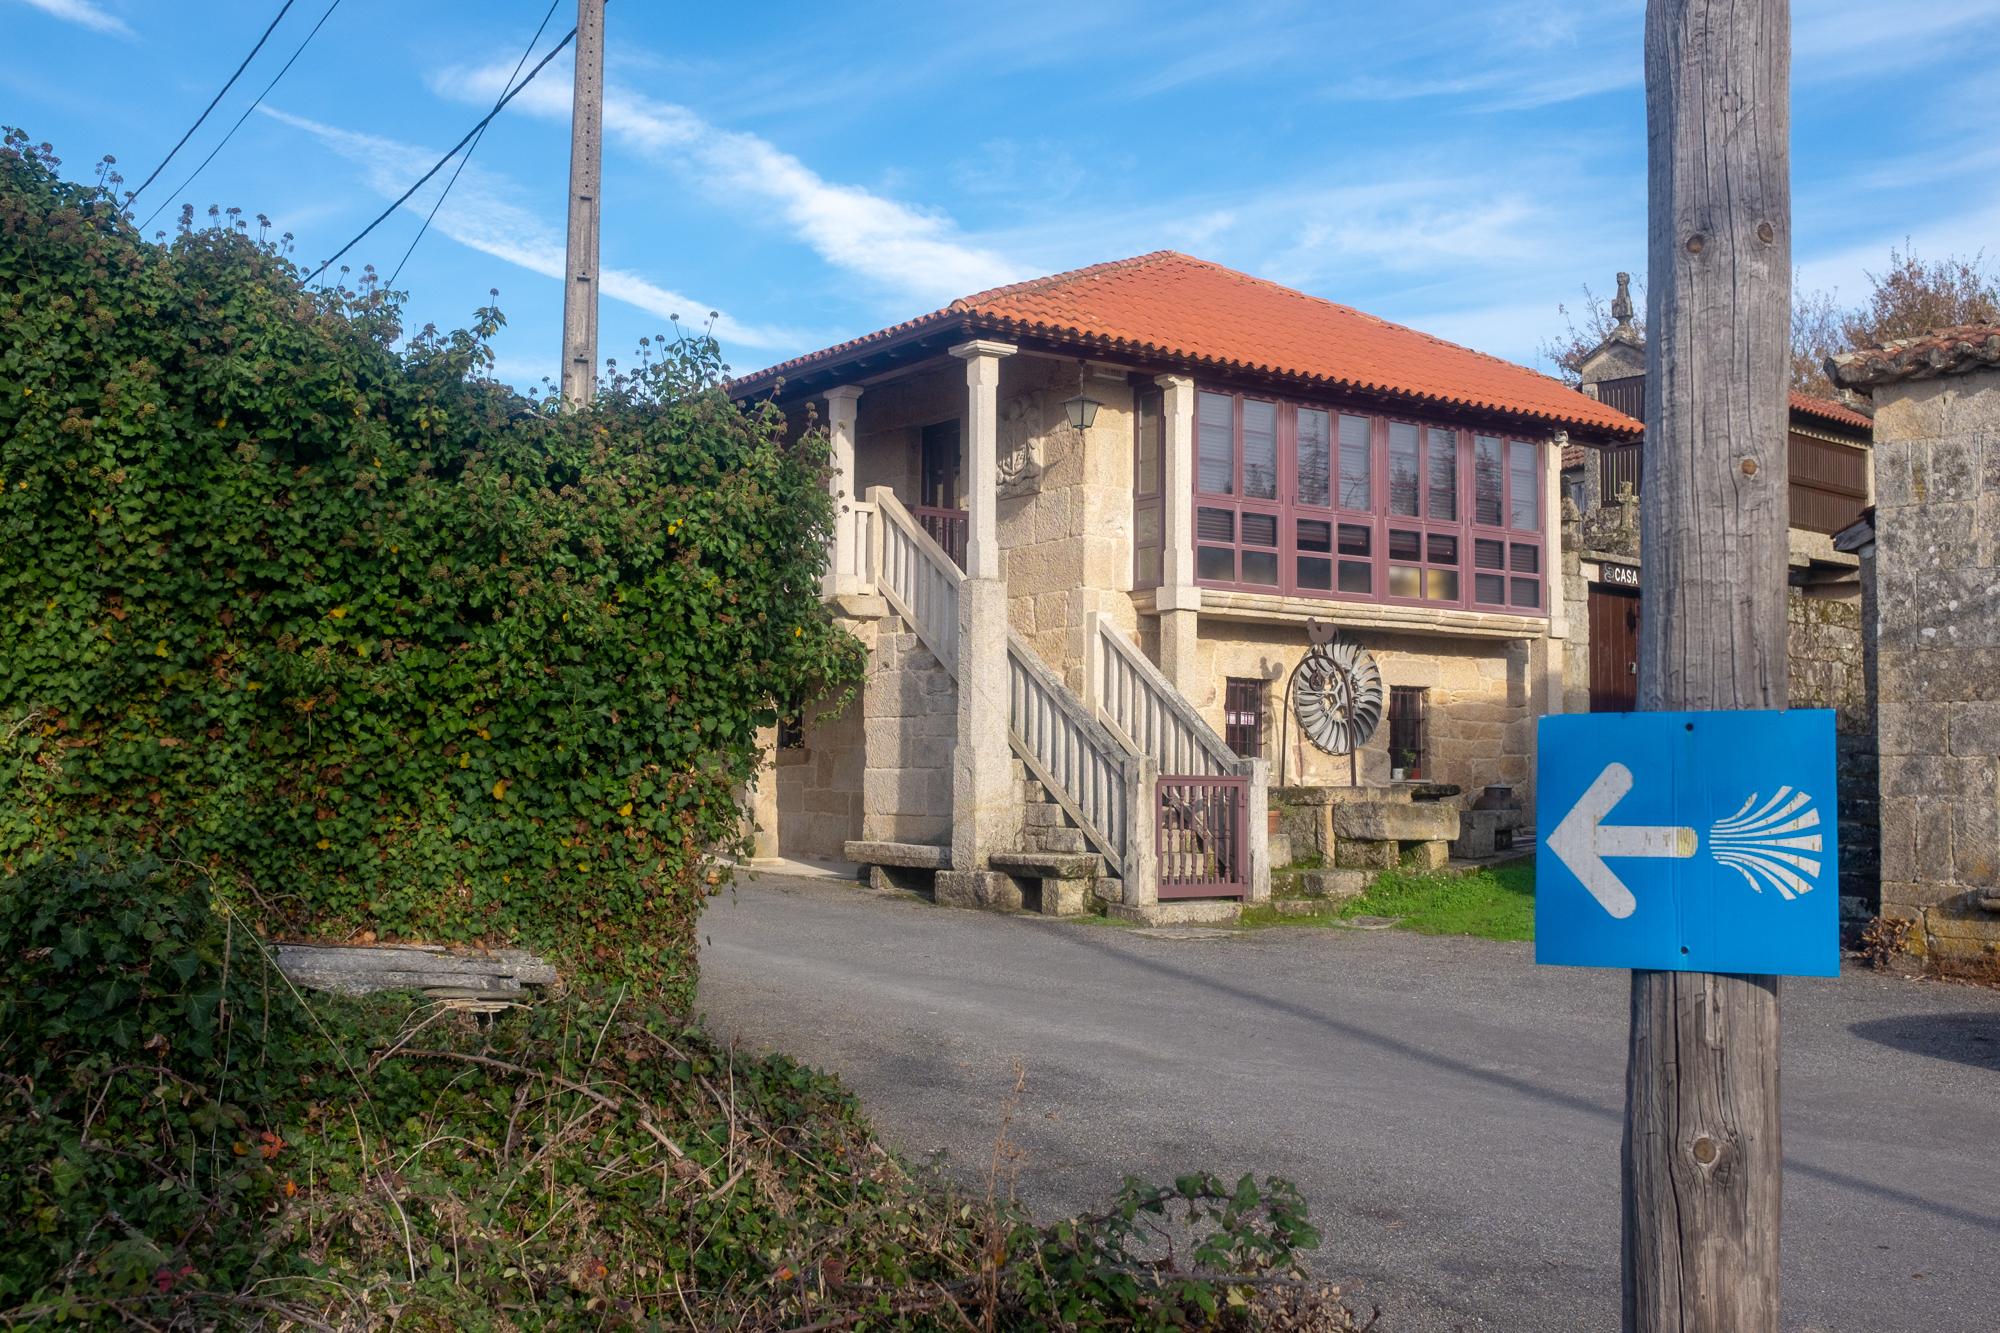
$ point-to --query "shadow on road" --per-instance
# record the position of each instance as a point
(1967, 1039)
(1568, 1101)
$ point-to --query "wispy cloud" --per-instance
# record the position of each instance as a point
(84, 14)
(908, 250)
(483, 215)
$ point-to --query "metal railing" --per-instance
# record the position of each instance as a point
(1200, 846)
(1146, 711)
(946, 527)
(916, 576)
(1090, 774)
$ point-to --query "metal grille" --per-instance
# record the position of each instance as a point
(1200, 843)
(946, 527)
(1407, 707)
(1243, 717)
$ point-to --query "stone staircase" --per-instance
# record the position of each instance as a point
(1055, 851)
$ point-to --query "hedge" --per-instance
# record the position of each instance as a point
(326, 614)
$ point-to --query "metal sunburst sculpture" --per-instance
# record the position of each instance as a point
(1336, 694)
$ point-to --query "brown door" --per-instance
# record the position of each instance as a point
(1614, 650)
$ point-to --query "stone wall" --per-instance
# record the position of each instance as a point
(1065, 512)
(1828, 670)
(1937, 557)
(1481, 719)
(909, 720)
(819, 786)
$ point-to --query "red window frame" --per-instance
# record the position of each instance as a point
(1281, 546)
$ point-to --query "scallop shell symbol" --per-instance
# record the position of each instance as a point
(1771, 844)
(1332, 675)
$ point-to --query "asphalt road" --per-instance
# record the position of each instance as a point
(1450, 1111)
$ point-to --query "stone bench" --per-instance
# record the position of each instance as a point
(1380, 835)
(1067, 878)
(910, 867)
(908, 855)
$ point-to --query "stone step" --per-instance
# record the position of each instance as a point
(1062, 839)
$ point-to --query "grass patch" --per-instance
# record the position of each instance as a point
(188, 1143)
(1492, 902)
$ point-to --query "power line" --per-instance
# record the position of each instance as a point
(511, 94)
(480, 134)
(211, 106)
(245, 116)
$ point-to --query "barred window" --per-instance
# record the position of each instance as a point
(1408, 705)
(1243, 716)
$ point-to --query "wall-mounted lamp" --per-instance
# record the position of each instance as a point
(1082, 409)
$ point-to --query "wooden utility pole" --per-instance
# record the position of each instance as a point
(586, 159)
(1702, 1159)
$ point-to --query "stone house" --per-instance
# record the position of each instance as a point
(1831, 482)
(1933, 539)
(1084, 523)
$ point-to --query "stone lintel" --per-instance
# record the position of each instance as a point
(1269, 608)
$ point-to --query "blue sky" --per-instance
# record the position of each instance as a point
(816, 171)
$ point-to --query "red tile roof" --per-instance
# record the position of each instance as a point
(1171, 307)
(1828, 410)
(1942, 352)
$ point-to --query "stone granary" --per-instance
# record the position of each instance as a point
(1934, 541)
(1083, 523)
(1603, 575)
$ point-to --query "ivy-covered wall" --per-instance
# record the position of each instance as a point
(381, 646)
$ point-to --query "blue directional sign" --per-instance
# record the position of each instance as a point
(1689, 841)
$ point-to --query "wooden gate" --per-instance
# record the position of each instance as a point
(1201, 848)
(1614, 650)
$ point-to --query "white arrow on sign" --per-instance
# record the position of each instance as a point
(1583, 840)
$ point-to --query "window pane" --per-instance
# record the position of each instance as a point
(1442, 501)
(1149, 567)
(1441, 585)
(1442, 549)
(1489, 554)
(1525, 559)
(1260, 529)
(1405, 581)
(1405, 545)
(1489, 588)
(1217, 563)
(1260, 567)
(1524, 486)
(1315, 573)
(1486, 480)
(1355, 492)
(1260, 449)
(1357, 576)
(1215, 525)
(1216, 440)
(1146, 526)
(1314, 459)
(1527, 592)
(1403, 476)
(1355, 538)
(1146, 444)
(1315, 534)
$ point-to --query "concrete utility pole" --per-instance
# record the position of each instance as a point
(1702, 1161)
(586, 159)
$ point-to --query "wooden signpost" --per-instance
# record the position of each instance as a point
(1701, 1148)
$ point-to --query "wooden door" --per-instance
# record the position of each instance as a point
(1614, 650)
(941, 466)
